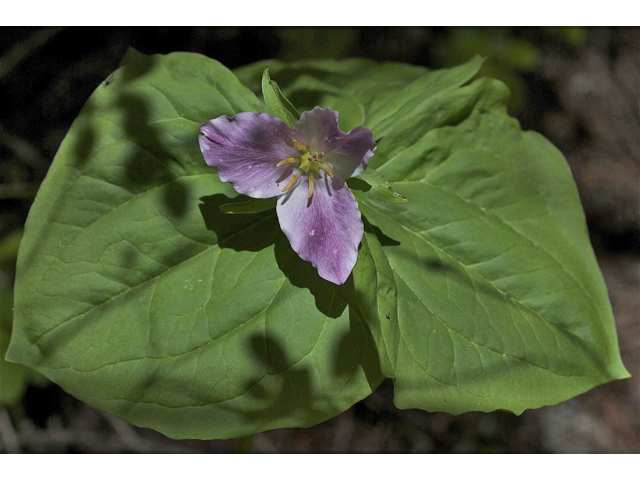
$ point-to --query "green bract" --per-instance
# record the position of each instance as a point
(277, 104)
(139, 296)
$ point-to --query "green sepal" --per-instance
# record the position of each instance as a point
(374, 186)
(253, 205)
(277, 103)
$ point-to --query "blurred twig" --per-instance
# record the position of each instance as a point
(22, 50)
(24, 151)
(263, 444)
(19, 190)
(127, 435)
(8, 435)
(57, 438)
(134, 442)
(343, 433)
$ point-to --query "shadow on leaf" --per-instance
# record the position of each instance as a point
(384, 240)
(252, 232)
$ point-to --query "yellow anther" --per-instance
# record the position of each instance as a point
(310, 187)
(285, 162)
(290, 184)
(298, 146)
(326, 169)
(320, 155)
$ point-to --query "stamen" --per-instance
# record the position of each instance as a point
(290, 184)
(310, 187)
(326, 169)
(298, 146)
(320, 155)
(285, 162)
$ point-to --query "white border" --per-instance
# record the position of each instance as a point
(306, 13)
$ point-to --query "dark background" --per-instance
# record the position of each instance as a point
(580, 87)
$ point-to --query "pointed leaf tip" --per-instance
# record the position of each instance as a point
(277, 104)
(372, 185)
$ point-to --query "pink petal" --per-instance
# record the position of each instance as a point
(245, 150)
(347, 152)
(325, 229)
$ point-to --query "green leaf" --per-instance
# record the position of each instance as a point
(277, 104)
(377, 95)
(137, 295)
(501, 304)
(386, 113)
(465, 338)
(374, 186)
(350, 87)
(253, 205)
(377, 294)
(9, 245)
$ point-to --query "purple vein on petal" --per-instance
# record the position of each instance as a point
(245, 150)
(325, 229)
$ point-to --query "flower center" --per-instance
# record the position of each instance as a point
(307, 164)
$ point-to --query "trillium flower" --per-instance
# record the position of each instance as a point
(305, 167)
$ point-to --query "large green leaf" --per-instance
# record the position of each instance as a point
(500, 302)
(137, 295)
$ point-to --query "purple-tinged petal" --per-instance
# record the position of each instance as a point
(325, 229)
(245, 150)
(319, 126)
(347, 152)
(351, 153)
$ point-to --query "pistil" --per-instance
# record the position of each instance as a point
(307, 164)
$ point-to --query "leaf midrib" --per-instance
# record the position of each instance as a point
(475, 272)
(153, 277)
(471, 342)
